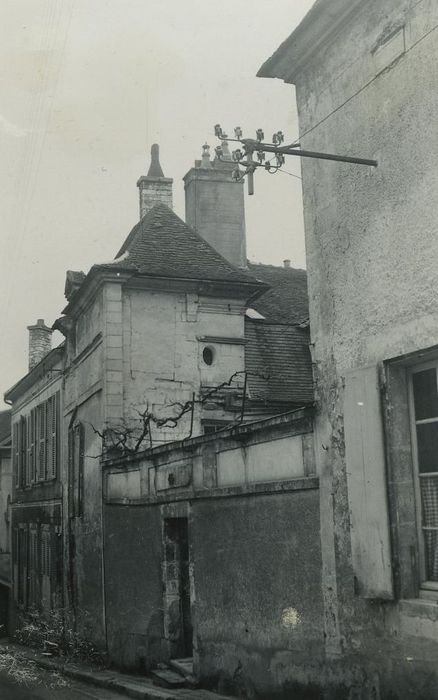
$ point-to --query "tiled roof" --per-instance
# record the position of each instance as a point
(286, 301)
(281, 354)
(5, 425)
(161, 244)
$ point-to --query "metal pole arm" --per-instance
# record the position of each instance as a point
(252, 145)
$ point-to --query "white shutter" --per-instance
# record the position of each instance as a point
(367, 488)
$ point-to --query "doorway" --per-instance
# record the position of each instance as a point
(178, 628)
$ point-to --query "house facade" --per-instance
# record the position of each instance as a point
(36, 528)
(365, 77)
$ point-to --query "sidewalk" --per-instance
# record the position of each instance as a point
(132, 686)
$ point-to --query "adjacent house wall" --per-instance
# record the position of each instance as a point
(370, 90)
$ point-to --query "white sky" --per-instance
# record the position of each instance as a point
(86, 86)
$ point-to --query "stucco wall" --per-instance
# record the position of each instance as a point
(371, 247)
(257, 571)
(133, 555)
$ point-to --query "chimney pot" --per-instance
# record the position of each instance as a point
(286, 263)
(40, 342)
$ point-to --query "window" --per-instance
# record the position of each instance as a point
(424, 426)
(35, 558)
(36, 444)
(210, 427)
(208, 356)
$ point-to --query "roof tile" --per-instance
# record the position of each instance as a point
(161, 244)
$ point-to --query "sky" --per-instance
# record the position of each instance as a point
(86, 86)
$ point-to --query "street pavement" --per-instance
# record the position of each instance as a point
(48, 686)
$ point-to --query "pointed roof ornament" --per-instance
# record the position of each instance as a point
(155, 169)
(205, 162)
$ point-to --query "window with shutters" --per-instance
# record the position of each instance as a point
(423, 388)
(36, 444)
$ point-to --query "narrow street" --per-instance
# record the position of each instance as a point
(44, 685)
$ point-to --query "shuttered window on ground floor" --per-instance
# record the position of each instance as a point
(36, 550)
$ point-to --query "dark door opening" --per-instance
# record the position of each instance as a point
(177, 608)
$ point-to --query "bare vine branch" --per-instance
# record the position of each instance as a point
(129, 438)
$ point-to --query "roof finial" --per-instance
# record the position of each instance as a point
(155, 169)
(205, 162)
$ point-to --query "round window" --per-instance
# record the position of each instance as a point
(208, 356)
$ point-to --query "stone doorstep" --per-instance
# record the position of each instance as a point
(132, 686)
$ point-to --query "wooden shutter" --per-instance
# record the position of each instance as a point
(16, 452)
(28, 478)
(23, 451)
(46, 568)
(53, 436)
(41, 442)
(367, 489)
(15, 562)
(34, 445)
(22, 565)
(33, 566)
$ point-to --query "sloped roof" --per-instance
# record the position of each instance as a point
(286, 301)
(162, 244)
(281, 354)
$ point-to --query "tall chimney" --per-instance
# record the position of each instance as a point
(154, 187)
(40, 342)
(215, 205)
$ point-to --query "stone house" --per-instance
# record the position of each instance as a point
(365, 78)
(37, 489)
(172, 330)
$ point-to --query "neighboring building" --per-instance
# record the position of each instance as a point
(37, 461)
(5, 518)
(169, 330)
(365, 77)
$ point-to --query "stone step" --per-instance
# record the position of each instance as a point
(183, 666)
(165, 678)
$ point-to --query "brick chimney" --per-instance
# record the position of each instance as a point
(154, 187)
(215, 205)
(40, 342)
